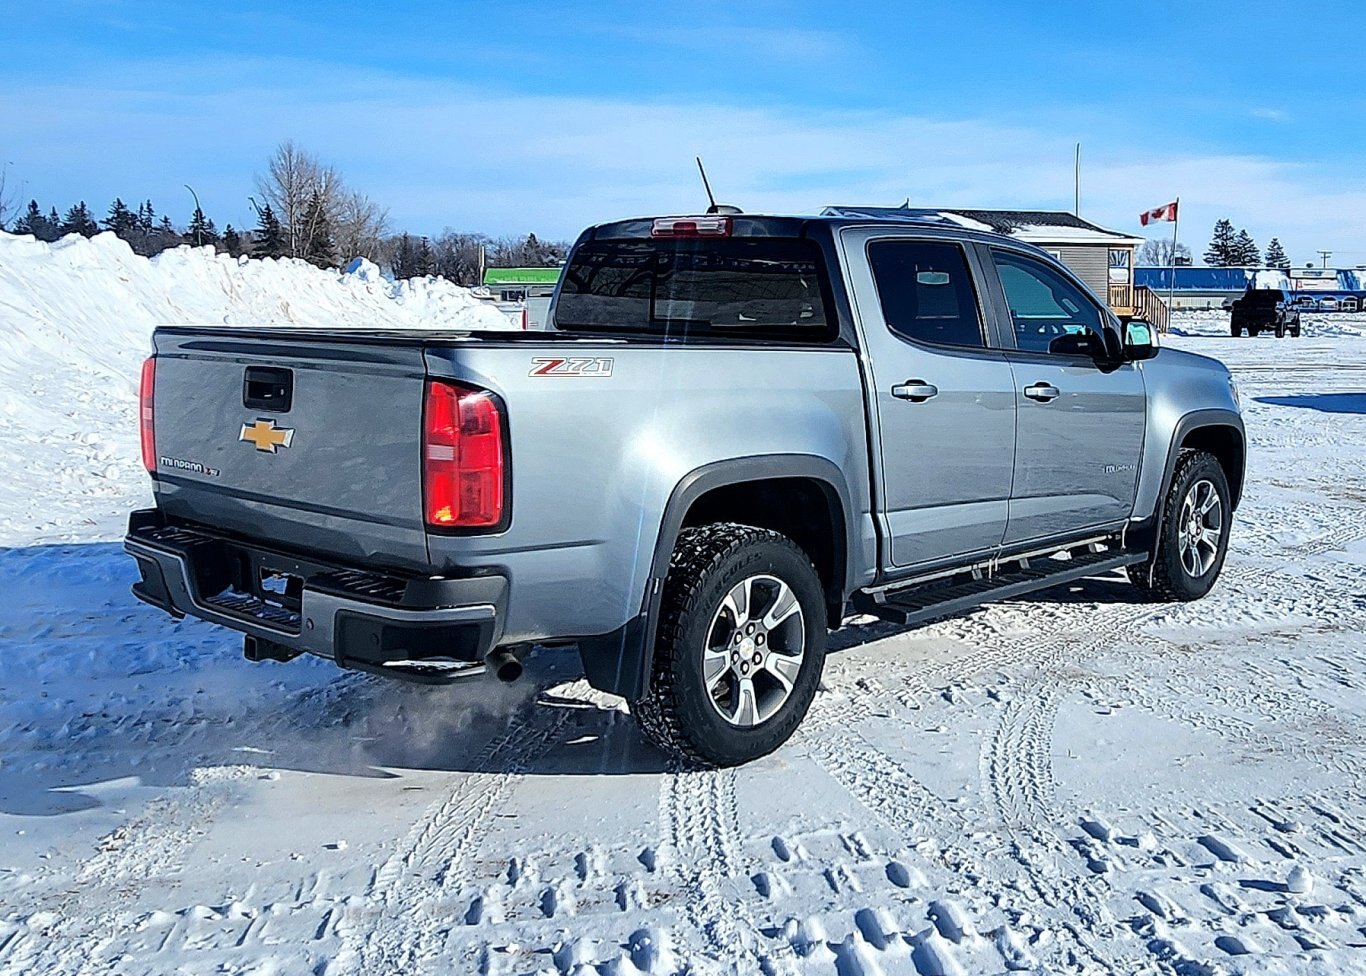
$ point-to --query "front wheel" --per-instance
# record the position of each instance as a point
(1192, 539)
(1280, 330)
(1295, 331)
(740, 648)
(1235, 331)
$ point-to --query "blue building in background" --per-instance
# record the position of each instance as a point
(1326, 289)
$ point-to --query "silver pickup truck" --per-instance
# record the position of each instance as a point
(735, 430)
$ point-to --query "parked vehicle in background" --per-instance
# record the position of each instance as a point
(1328, 303)
(736, 429)
(1264, 310)
(1350, 304)
(1305, 303)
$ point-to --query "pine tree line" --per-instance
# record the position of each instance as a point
(1236, 249)
(308, 212)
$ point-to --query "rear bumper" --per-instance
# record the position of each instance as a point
(362, 619)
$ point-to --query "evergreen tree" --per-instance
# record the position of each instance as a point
(1221, 251)
(270, 237)
(232, 241)
(405, 259)
(319, 247)
(1276, 256)
(79, 221)
(426, 260)
(201, 230)
(147, 218)
(121, 220)
(33, 222)
(1246, 254)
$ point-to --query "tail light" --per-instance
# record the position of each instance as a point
(462, 457)
(145, 390)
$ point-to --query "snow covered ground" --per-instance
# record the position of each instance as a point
(1076, 783)
(76, 320)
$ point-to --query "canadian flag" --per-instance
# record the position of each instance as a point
(1165, 212)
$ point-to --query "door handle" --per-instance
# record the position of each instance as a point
(1043, 392)
(917, 391)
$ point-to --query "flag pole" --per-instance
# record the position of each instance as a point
(1171, 281)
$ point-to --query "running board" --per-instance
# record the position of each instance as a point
(945, 598)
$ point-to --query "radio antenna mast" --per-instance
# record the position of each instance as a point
(706, 185)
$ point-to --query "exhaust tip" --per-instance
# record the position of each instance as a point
(505, 666)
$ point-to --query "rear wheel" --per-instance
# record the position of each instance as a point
(1192, 539)
(1235, 331)
(740, 648)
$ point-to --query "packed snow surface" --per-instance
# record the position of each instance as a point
(1075, 783)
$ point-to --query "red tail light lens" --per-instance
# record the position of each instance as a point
(462, 454)
(145, 390)
(691, 227)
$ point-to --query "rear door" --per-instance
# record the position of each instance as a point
(301, 443)
(942, 402)
(1079, 427)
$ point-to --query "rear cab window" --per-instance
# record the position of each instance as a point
(760, 287)
(926, 292)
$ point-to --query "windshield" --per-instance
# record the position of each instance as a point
(763, 287)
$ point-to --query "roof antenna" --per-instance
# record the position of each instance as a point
(714, 207)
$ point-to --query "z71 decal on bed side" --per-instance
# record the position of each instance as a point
(586, 366)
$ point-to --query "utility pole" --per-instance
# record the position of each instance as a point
(1325, 255)
(1076, 183)
(198, 233)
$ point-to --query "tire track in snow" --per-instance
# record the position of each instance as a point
(698, 814)
(76, 931)
(415, 890)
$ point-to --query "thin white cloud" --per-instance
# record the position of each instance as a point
(482, 158)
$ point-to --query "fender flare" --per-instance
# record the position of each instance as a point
(620, 662)
(1193, 421)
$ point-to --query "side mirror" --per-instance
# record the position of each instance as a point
(1140, 341)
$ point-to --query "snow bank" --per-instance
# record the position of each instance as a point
(76, 319)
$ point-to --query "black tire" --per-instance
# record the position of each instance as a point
(1235, 331)
(1252, 332)
(1166, 578)
(1294, 332)
(1280, 330)
(678, 712)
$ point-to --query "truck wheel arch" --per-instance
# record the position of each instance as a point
(1220, 432)
(620, 662)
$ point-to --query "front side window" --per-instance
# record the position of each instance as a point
(1044, 305)
(926, 292)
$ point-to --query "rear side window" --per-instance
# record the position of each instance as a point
(754, 287)
(926, 292)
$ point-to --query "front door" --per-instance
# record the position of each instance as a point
(942, 402)
(1079, 428)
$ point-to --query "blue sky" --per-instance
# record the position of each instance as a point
(511, 117)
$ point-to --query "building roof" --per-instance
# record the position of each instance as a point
(521, 276)
(1035, 226)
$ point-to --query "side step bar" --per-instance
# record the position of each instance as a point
(953, 595)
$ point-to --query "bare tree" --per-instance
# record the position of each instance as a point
(1157, 253)
(9, 205)
(360, 226)
(302, 190)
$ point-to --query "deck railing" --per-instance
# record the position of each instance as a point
(1149, 307)
(1120, 296)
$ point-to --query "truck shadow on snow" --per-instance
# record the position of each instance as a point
(1323, 402)
(100, 689)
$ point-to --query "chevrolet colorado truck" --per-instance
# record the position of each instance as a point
(736, 430)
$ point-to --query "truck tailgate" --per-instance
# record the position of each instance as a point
(308, 443)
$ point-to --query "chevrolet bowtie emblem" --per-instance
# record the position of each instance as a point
(266, 436)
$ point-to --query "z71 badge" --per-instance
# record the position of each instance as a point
(588, 366)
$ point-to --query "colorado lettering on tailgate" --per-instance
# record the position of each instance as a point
(591, 366)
